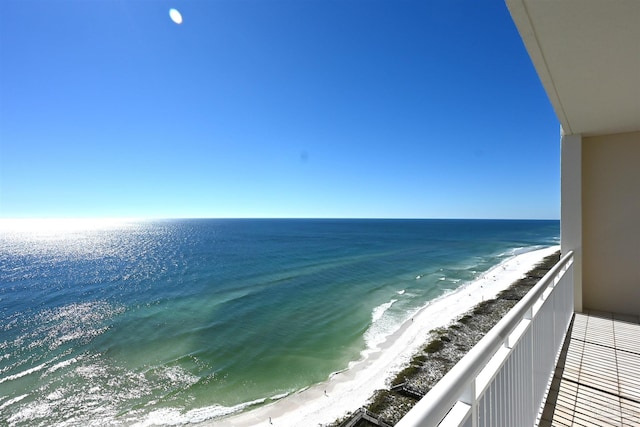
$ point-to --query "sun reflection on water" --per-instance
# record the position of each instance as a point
(58, 226)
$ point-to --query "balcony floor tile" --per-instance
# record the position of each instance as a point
(597, 380)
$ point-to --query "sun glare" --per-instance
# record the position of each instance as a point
(59, 225)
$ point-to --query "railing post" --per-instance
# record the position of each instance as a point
(470, 397)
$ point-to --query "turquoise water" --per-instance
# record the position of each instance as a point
(193, 319)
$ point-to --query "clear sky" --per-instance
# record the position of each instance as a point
(272, 108)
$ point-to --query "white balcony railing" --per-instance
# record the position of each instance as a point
(504, 379)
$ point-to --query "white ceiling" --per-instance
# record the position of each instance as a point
(587, 54)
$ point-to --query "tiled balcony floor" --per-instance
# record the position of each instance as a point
(597, 380)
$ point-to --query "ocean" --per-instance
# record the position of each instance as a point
(175, 321)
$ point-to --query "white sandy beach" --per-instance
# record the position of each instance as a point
(349, 390)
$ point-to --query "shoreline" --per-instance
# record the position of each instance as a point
(352, 388)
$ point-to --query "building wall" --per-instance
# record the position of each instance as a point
(611, 223)
(571, 208)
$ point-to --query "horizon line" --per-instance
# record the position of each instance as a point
(150, 218)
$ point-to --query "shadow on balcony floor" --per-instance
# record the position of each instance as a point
(597, 380)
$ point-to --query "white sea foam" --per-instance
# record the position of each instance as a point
(400, 292)
(523, 250)
(103, 389)
(12, 401)
(381, 326)
(280, 396)
(62, 365)
(379, 311)
(173, 416)
(23, 373)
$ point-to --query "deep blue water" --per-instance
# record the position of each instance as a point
(116, 322)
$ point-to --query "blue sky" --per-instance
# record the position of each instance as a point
(272, 108)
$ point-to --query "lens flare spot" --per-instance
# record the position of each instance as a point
(175, 16)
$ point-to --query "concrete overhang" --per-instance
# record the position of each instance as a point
(587, 55)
